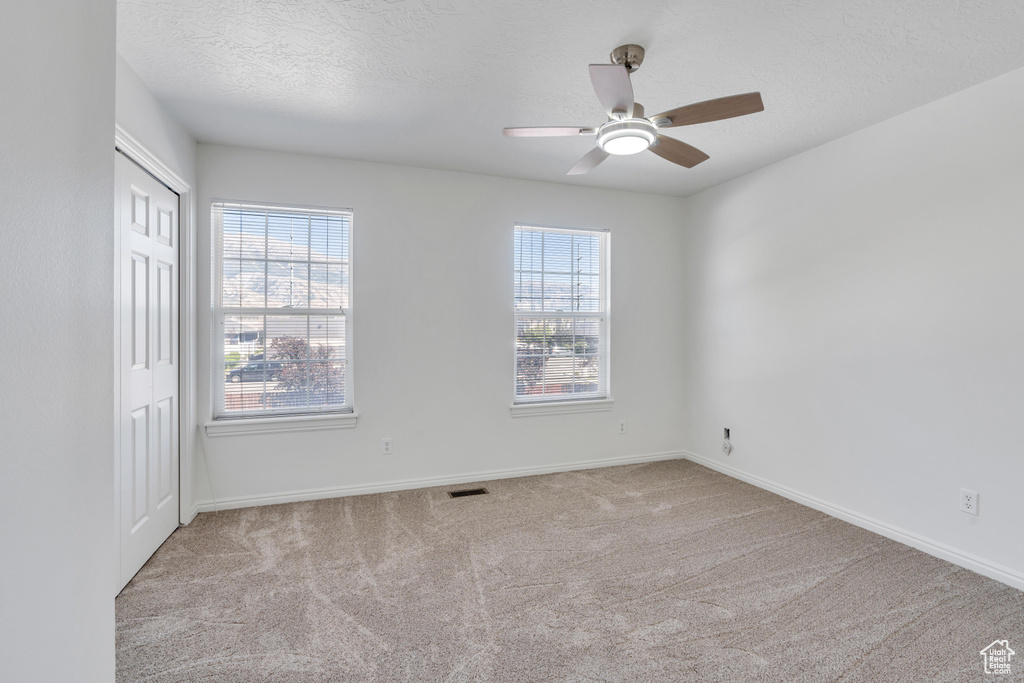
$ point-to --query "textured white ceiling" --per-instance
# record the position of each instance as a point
(432, 82)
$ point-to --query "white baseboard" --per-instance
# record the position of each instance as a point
(406, 484)
(933, 548)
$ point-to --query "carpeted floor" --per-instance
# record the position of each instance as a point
(667, 571)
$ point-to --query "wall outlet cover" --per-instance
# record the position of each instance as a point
(969, 501)
(726, 447)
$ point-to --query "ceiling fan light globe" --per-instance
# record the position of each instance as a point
(626, 144)
(631, 136)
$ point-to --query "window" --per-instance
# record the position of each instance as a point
(282, 310)
(561, 311)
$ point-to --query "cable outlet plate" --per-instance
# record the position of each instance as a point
(969, 501)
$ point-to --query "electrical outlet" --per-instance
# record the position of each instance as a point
(969, 501)
(622, 426)
(387, 446)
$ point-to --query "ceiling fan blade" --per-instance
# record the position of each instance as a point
(589, 161)
(547, 132)
(611, 83)
(678, 152)
(712, 110)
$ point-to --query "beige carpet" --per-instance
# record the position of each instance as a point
(660, 572)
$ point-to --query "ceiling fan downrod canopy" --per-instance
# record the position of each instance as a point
(630, 56)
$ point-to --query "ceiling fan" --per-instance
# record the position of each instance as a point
(627, 131)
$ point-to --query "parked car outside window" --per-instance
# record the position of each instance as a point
(255, 372)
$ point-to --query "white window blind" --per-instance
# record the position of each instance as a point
(561, 311)
(282, 309)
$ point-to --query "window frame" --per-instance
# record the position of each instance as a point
(277, 420)
(600, 400)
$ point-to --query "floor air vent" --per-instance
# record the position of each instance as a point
(467, 492)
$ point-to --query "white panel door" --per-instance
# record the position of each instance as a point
(147, 215)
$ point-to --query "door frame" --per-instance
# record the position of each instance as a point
(125, 143)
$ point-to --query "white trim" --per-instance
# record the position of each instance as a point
(283, 206)
(597, 405)
(116, 359)
(940, 550)
(557, 228)
(140, 154)
(279, 423)
(448, 480)
(127, 143)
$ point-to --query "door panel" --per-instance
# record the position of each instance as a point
(147, 214)
(164, 229)
(140, 466)
(165, 312)
(140, 311)
(166, 430)
(140, 211)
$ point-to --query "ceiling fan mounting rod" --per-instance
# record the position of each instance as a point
(630, 56)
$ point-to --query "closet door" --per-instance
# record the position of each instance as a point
(147, 214)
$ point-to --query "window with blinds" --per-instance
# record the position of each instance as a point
(282, 309)
(561, 311)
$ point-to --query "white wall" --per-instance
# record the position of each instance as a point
(856, 320)
(57, 398)
(140, 114)
(433, 347)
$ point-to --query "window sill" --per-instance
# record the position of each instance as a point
(597, 405)
(272, 425)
